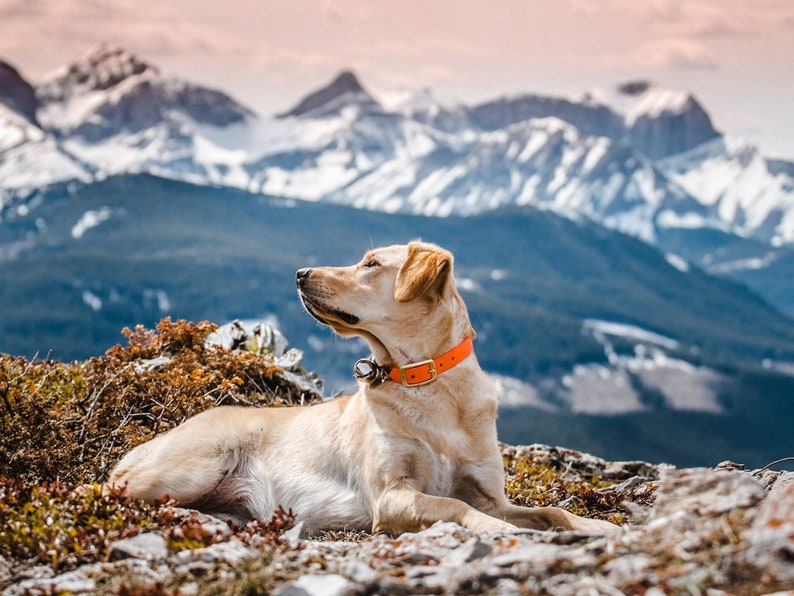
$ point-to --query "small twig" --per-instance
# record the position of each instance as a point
(774, 463)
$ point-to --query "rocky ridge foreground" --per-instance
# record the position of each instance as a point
(715, 531)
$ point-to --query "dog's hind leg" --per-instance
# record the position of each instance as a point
(155, 469)
(187, 464)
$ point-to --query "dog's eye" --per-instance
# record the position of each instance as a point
(372, 263)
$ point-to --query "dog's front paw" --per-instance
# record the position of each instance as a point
(485, 523)
(583, 524)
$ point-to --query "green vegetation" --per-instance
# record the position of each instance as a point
(536, 482)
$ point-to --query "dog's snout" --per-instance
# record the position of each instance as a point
(302, 275)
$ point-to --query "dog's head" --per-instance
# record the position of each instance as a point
(401, 299)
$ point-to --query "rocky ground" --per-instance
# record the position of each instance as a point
(710, 531)
(724, 530)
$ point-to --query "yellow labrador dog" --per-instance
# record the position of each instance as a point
(415, 444)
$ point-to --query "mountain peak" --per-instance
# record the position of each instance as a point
(17, 93)
(636, 99)
(343, 90)
(102, 67)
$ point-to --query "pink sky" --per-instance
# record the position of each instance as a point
(736, 56)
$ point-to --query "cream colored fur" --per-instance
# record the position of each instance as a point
(390, 459)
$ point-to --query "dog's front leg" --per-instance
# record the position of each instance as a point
(408, 510)
(553, 518)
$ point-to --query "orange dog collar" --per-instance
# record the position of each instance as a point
(415, 374)
(426, 371)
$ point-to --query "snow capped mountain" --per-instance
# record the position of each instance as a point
(120, 114)
(30, 159)
(659, 122)
(732, 178)
(422, 105)
(16, 93)
(343, 93)
(638, 158)
(108, 91)
(546, 163)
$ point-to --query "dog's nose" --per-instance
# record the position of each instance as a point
(302, 275)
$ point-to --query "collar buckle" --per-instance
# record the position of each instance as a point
(418, 373)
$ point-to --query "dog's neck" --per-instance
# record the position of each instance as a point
(448, 331)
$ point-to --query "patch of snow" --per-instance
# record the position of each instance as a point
(600, 390)
(157, 297)
(687, 221)
(653, 101)
(36, 164)
(467, 285)
(787, 368)
(515, 393)
(628, 332)
(90, 219)
(679, 263)
(744, 264)
(733, 178)
(91, 300)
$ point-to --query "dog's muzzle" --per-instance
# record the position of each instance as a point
(314, 306)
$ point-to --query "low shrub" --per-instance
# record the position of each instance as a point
(70, 422)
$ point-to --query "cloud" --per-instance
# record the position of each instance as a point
(675, 54)
(685, 34)
(68, 27)
(699, 18)
(351, 13)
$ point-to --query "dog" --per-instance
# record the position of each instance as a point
(415, 444)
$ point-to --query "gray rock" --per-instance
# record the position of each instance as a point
(773, 481)
(289, 360)
(527, 557)
(232, 336)
(294, 535)
(152, 364)
(470, 551)
(211, 524)
(429, 577)
(705, 492)
(318, 585)
(148, 546)
(361, 573)
(270, 340)
(508, 587)
(270, 343)
(71, 582)
(771, 537)
(230, 552)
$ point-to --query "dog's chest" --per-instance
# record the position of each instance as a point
(440, 480)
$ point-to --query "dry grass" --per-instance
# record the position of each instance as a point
(72, 422)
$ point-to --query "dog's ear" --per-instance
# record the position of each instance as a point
(424, 273)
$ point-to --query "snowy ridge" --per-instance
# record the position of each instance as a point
(111, 113)
(645, 379)
(638, 99)
(30, 159)
(735, 181)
